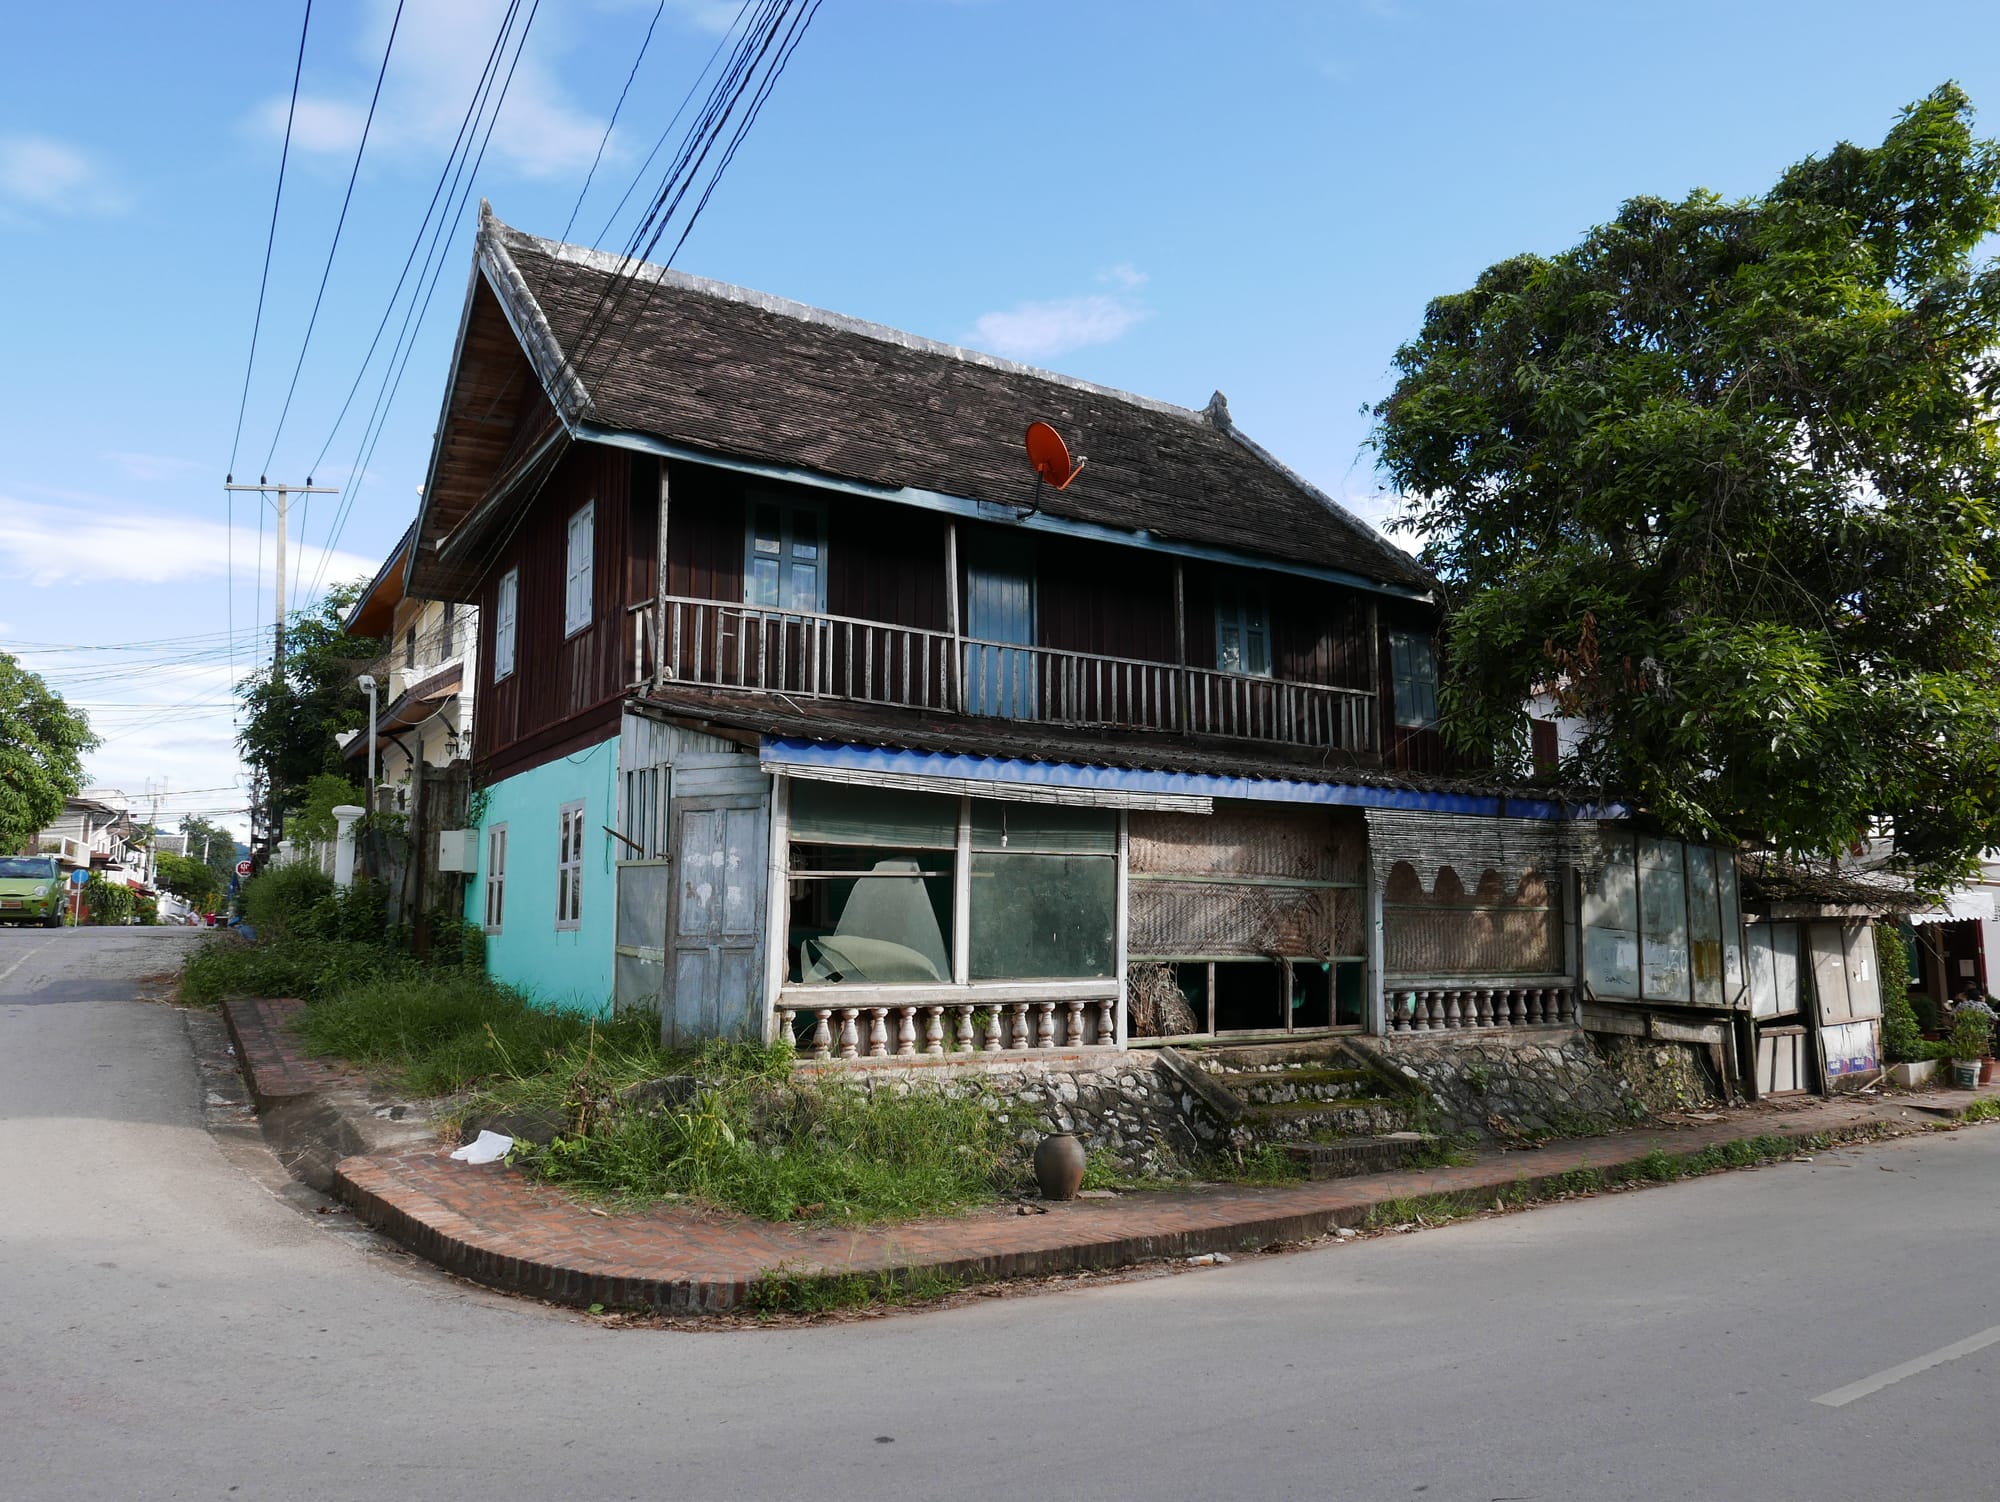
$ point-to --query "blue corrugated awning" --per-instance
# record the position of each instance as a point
(1003, 777)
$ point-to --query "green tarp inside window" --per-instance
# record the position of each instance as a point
(1045, 828)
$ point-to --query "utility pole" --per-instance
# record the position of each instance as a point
(284, 493)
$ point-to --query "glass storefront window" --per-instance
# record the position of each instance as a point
(1043, 917)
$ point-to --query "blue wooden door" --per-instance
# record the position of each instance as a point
(999, 613)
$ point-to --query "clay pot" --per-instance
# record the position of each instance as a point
(1987, 1069)
(1059, 1167)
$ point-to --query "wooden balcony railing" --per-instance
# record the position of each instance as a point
(806, 655)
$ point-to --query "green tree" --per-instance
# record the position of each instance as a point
(291, 718)
(188, 879)
(1724, 476)
(42, 745)
(212, 842)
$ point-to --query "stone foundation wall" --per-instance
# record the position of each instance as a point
(1562, 1081)
(1132, 1116)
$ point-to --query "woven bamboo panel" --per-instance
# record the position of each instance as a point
(1471, 924)
(1299, 844)
(1216, 918)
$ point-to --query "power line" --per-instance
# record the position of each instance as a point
(339, 224)
(612, 123)
(270, 238)
(423, 226)
(434, 263)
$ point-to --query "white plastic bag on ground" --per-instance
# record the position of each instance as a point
(487, 1147)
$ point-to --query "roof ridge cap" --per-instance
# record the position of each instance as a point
(785, 307)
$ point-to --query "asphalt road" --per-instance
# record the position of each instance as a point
(172, 1327)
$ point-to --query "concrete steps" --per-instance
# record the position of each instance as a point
(1324, 1104)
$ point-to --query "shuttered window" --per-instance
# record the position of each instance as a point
(577, 595)
(1413, 669)
(504, 601)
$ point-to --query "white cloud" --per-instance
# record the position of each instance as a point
(1043, 330)
(41, 174)
(715, 17)
(441, 50)
(1125, 275)
(152, 468)
(43, 545)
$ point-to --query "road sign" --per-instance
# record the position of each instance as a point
(78, 878)
(243, 868)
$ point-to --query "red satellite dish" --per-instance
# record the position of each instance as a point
(1050, 456)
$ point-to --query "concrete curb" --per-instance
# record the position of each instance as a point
(492, 1225)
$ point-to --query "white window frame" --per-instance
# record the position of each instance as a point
(496, 876)
(569, 867)
(579, 552)
(506, 600)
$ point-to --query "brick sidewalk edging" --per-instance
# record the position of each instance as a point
(495, 1226)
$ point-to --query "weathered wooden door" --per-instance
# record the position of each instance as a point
(1000, 607)
(638, 975)
(715, 964)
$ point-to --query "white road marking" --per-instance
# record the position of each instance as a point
(25, 958)
(1840, 1397)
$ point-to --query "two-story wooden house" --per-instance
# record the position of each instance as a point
(803, 703)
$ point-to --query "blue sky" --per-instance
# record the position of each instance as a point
(1170, 197)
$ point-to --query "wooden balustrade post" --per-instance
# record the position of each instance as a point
(1453, 1017)
(963, 1038)
(1018, 1011)
(1045, 1024)
(786, 1016)
(850, 1039)
(906, 1032)
(822, 1039)
(878, 1032)
(995, 1021)
(1107, 1023)
(933, 1029)
(1073, 1027)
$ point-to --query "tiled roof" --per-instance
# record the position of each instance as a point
(728, 371)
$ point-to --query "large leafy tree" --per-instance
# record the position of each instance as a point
(42, 745)
(212, 842)
(292, 716)
(1724, 476)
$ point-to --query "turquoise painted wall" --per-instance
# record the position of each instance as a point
(569, 967)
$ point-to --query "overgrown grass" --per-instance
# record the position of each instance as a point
(1266, 1164)
(756, 1140)
(780, 1290)
(309, 968)
(442, 1030)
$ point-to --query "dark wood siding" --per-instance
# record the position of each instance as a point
(1113, 602)
(886, 563)
(704, 533)
(1319, 632)
(562, 689)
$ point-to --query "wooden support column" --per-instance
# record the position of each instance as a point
(778, 903)
(951, 620)
(1378, 1010)
(961, 897)
(660, 587)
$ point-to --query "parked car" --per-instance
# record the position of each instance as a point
(31, 890)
